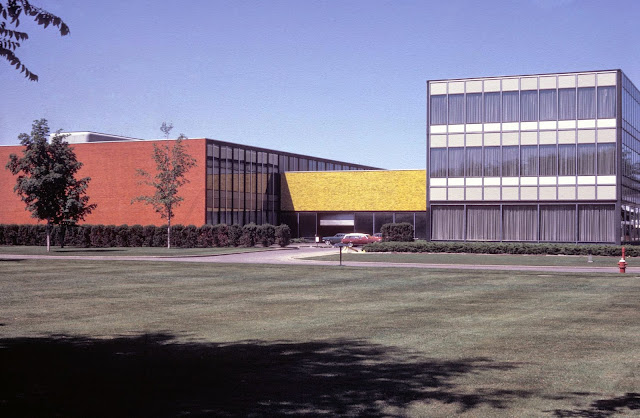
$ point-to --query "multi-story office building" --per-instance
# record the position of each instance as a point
(550, 157)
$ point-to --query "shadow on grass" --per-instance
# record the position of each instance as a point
(88, 250)
(603, 408)
(152, 375)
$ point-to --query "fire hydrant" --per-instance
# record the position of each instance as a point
(622, 263)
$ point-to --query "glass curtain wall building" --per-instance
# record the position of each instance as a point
(243, 182)
(551, 157)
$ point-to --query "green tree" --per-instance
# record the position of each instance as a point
(172, 165)
(10, 37)
(46, 178)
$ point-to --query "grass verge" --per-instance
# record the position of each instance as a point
(85, 337)
(125, 251)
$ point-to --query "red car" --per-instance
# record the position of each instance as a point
(359, 239)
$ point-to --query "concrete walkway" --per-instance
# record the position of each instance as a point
(292, 256)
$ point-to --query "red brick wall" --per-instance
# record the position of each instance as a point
(112, 168)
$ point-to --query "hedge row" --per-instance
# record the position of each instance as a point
(501, 248)
(86, 236)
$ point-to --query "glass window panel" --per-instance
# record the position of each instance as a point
(596, 223)
(510, 101)
(474, 162)
(548, 160)
(474, 108)
(456, 162)
(529, 105)
(456, 109)
(439, 110)
(510, 161)
(607, 102)
(520, 223)
(381, 218)
(492, 107)
(586, 103)
(363, 223)
(492, 161)
(438, 163)
(558, 223)
(586, 159)
(447, 223)
(606, 159)
(529, 160)
(566, 104)
(483, 223)
(567, 160)
(548, 105)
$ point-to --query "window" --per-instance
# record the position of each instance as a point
(439, 110)
(548, 160)
(586, 103)
(474, 162)
(474, 108)
(447, 222)
(586, 159)
(567, 160)
(483, 223)
(520, 223)
(456, 109)
(492, 161)
(492, 107)
(607, 102)
(566, 104)
(606, 159)
(510, 161)
(438, 163)
(529, 105)
(456, 162)
(510, 106)
(529, 160)
(558, 223)
(548, 105)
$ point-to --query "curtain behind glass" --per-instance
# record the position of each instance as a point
(520, 223)
(587, 103)
(606, 159)
(510, 161)
(566, 104)
(483, 223)
(567, 160)
(474, 162)
(439, 110)
(586, 159)
(492, 107)
(596, 223)
(607, 102)
(529, 160)
(456, 162)
(474, 108)
(456, 109)
(510, 106)
(548, 105)
(492, 161)
(558, 223)
(447, 222)
(438, 163)
(548, 160)
(529, 105)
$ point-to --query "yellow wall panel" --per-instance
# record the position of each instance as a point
(376, 190)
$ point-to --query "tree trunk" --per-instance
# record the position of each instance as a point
(169, 231)
(48, 235)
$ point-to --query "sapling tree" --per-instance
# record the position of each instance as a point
(47, 178)
(172, 165)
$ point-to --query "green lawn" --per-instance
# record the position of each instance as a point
(479, 259)
(117, 338)
(123, 251)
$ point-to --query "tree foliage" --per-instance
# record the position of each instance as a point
(47, 177)
(172, 165)
(11, 38)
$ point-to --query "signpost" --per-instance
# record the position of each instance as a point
(340, 245)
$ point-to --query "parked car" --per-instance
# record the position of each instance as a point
(359, 239)
(334, 239)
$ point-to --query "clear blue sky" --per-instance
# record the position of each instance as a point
(336, 79)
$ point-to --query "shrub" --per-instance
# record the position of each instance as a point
(266, 235)
(122, 233)
(222, 235)
(283, 235)
(206, 236)
(402, 231)
(249, 235)
(136, 236)
(160, 236)
(234, 234)
(147, 235)
(189, 237)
